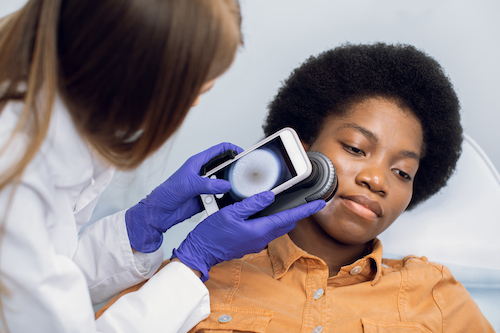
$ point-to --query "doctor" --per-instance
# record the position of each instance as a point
(88, 86)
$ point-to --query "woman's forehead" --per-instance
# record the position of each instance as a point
(379, 119)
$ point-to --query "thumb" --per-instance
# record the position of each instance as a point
(213, 186)
(291, 216)
(196, 185)
(253, 204)
(197, 161)
(283, 222)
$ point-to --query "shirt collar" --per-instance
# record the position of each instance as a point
(283, 253)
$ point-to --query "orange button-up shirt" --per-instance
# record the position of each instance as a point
(285, 289)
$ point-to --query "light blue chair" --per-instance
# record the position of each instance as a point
(460, 228)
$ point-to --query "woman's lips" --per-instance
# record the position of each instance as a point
(363, 206)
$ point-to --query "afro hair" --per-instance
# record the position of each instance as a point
(331, 82)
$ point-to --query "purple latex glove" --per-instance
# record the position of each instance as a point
(227, 234)
(173, 201)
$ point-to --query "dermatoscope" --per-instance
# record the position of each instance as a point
(321, 183)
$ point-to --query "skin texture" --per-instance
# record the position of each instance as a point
(376, 148)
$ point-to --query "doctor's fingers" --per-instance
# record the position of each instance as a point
(185, 211)
(197, 161)
(249, 206)
(285, 221)
(181, 189)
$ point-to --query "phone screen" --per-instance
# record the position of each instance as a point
(260, 170)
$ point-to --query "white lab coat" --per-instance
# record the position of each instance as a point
(51, 275)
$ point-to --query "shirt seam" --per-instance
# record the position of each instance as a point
(402, 295)
(324, 304)
(440, 269)
(307, 317)
(236, 279)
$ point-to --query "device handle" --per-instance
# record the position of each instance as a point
(217, 160)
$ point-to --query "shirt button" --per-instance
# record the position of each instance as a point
(355, 270)
(317, 329)
(225, 319)
(318, 293)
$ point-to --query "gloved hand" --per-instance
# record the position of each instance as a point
(227, 234)
(173, 201)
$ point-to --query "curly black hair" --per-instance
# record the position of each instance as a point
(331, 82)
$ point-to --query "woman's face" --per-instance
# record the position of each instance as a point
(376, 148)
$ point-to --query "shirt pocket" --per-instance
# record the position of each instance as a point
(228, 319)
(374, 326)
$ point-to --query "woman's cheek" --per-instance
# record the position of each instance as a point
(328, 212)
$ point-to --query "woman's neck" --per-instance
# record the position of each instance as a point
(311, 238)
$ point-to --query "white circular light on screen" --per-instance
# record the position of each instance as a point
(254, 173)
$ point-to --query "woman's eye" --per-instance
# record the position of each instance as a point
(403, 174)
(353, 150)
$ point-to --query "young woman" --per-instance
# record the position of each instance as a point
(87, 86)
(388, 118)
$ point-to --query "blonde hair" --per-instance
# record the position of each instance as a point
(119, 66)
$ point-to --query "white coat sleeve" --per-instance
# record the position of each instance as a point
(105, 257)
(46, 291)
(188, 303)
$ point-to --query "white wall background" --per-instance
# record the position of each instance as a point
(464, 36)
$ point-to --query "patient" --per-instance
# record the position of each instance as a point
(388, 118)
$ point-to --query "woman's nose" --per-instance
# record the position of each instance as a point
(374, 178)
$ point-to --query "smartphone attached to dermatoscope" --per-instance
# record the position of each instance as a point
(275, 164)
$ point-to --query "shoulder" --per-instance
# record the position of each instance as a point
(412, 263)
(458, 310)
(417, 271)
(63, 153)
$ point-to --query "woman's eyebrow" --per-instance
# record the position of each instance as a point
(410, 154)
(370, 135)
